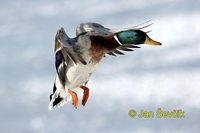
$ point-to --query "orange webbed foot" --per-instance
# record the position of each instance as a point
(85, 94)
(74, 98)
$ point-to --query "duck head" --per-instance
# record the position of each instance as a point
(135, 37)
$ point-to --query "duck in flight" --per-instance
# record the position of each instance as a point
(77, 58)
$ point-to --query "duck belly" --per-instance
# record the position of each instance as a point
(78, 74)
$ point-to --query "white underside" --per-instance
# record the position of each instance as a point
(79, 74)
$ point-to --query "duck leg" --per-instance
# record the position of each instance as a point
(85, 94)
(74, 98)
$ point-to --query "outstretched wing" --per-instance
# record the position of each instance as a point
(99, 29)
(67, 46)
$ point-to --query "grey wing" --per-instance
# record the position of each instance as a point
(92, 27)
(67, 45)
(95, 27)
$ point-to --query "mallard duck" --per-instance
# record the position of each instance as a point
(77, 58)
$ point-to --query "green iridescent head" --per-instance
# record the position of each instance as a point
(135, 37)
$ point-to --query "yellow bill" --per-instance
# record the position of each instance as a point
(149, 41)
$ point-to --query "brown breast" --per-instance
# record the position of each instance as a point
(101, 45)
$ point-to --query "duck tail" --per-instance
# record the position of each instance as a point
(59, 98)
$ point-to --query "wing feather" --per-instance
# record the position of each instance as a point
(60, 66)
(118, 52)
(124, 47)
(130, 46)
(67, 45)
(111, 53)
